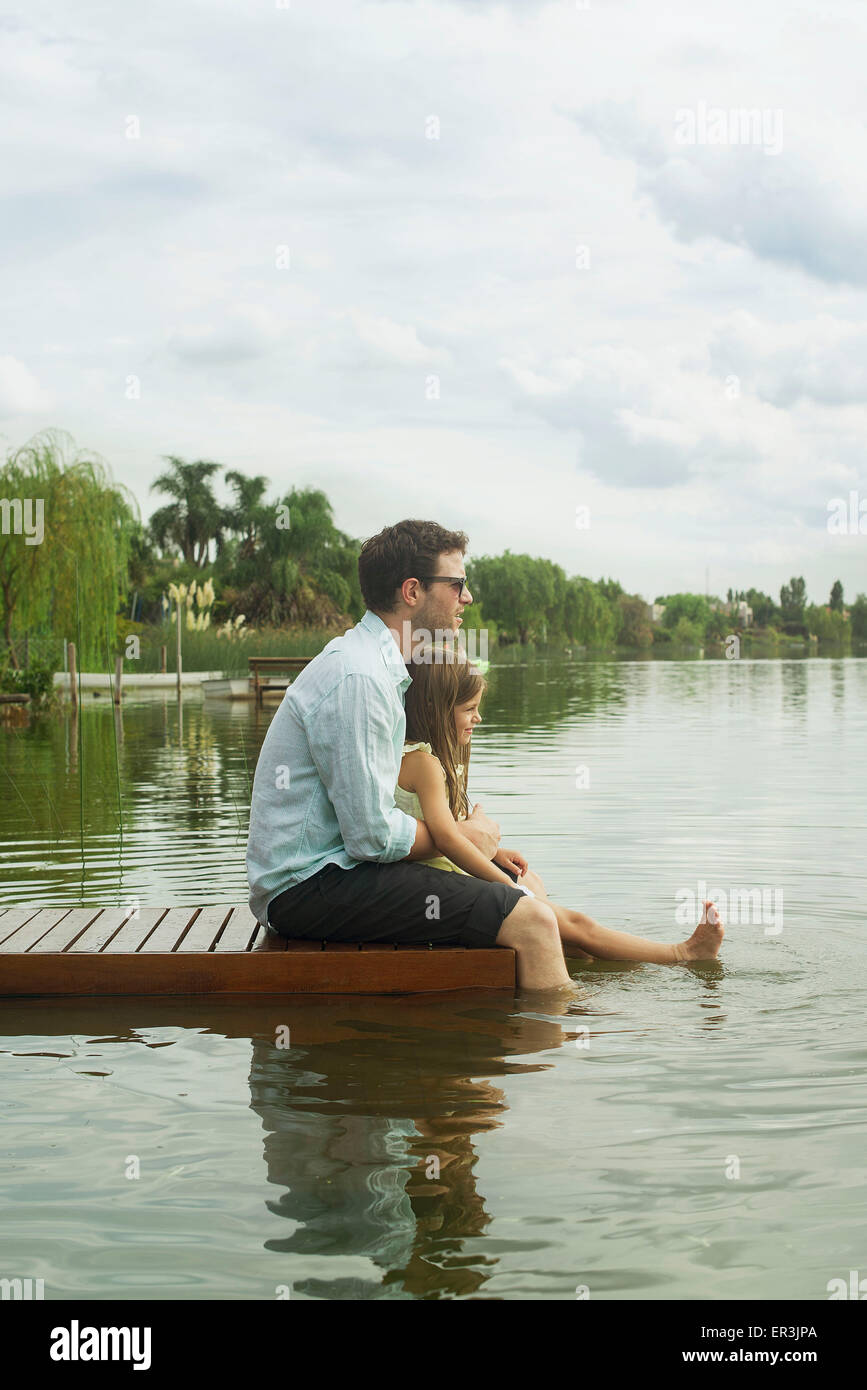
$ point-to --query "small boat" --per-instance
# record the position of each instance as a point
(229, 689)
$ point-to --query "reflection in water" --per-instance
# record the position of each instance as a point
(838, 685)
(369, 1114)
(369, 1122)
(536, 693)
(563, 1159)
(794, 676)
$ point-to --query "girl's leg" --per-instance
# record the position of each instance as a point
(579, 930)
(576, 929)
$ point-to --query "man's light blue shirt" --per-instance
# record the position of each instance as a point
(324, 786)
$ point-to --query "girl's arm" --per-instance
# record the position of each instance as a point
(426, 775)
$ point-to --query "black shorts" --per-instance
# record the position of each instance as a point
(408, 902)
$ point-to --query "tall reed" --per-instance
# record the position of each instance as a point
(80, 722)
(206, 651)
(114, 730)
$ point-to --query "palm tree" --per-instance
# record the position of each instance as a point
(245, 517)
(195, 517)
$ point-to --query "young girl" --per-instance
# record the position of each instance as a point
(442, 709)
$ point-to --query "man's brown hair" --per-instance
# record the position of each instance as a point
(405, 551)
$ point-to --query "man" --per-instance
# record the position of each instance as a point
(329, 856)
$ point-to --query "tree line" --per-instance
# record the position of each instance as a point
(282, 563)
(533, 599)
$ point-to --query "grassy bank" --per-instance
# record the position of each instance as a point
(206, 651)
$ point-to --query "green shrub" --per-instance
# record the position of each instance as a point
(685, 633)
(36, 680)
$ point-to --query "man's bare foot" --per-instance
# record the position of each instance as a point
(707, 938)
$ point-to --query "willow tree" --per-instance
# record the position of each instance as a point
(68, 582)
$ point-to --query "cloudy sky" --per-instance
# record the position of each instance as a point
(489, 263)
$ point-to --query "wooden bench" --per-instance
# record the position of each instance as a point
(272, 665)
(217, 950)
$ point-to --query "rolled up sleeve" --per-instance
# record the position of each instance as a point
(351, 737)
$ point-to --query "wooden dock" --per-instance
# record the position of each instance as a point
(263, 669)
(216, 950)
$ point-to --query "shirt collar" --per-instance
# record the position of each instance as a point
(390, 650)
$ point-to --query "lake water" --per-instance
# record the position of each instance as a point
(672, 1133)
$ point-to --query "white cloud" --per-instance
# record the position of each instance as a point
(560, 385)
(795, 206)
(20, 392)
(246, 330)
(822, 359)
(397, 342)
(530, 382)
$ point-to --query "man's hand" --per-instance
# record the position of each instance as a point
(511, 859)
(481, 831)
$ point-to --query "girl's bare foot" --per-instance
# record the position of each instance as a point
(707, 938)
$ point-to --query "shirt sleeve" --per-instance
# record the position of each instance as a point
(351, 738)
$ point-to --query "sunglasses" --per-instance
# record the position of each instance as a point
(445, 579)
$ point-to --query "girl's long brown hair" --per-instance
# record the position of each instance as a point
(440, 681)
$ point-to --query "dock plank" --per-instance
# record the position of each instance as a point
(238, 931)
(269, 941)
(205, 929)
(101, 931)
(67, 930)
(134, 931)
(166, 936)
(35, 927)
(15, 917)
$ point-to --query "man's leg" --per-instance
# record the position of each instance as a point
(412, 903)
(532, 933)
(403, 903)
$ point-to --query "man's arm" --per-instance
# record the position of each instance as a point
(350, 738)
(424, 847)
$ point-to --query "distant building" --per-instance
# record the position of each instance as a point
(655, 612)
(740, 610)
